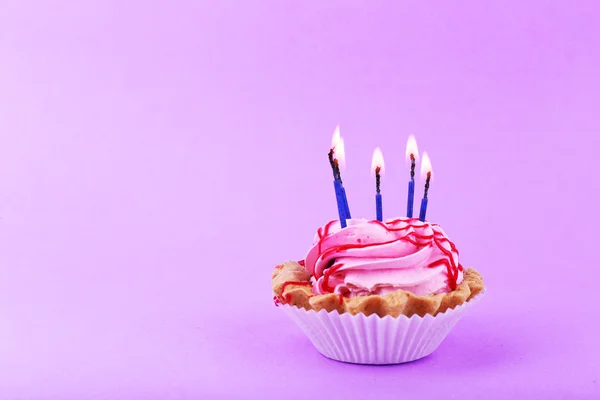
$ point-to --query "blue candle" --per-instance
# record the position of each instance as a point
(378, 200)
(336, 157)
(338, 175)
(340, 195)
(377, 167)
(344, 199)
(412, 152)
(425, 170)
(346, 208)
(423, 210)
(340, 202)
(411, 199)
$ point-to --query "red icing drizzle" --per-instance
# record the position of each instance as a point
(327, 273)
(411, 237)
(286, 284)
(287, 297)
(301, 262)
(323, 232)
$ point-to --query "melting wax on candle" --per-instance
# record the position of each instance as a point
(377, 166)
(337, 185)
(337, 145)
(412, 153)
(425, 170)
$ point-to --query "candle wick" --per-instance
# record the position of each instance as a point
(333, 163)
(378, 179)
(337, 173)
(427, 184)
(412, 167)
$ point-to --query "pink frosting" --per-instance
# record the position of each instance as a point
(372, 257)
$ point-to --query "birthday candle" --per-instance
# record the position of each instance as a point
(345, 200)
(377, 167)
(340, 202)
(337, 144)
(425, 172)
(412, 154)
(336, 154)
(337, 185)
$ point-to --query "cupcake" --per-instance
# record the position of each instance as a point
(377, 292)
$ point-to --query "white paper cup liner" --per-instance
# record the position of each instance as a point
(374, 340)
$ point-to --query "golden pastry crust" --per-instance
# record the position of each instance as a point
(291, 285)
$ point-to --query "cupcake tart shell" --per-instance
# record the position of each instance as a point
(291, 285)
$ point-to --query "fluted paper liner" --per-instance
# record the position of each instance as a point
(362, 339)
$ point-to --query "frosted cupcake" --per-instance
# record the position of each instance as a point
(377, 292)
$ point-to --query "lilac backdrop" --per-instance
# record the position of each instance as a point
(157, 160)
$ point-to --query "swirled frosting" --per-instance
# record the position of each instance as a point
(372, 257)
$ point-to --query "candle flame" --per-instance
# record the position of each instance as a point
(336, 137)
(337, 144)
(377, 161)
(411, 148)
(425, 166)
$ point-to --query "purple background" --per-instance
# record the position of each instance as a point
(157, 161)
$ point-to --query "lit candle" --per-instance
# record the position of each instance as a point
(337, 186)
(337, 143)
(334, 161)
(377, 167)
(425, 172)
(343, 190)
(412, 154)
